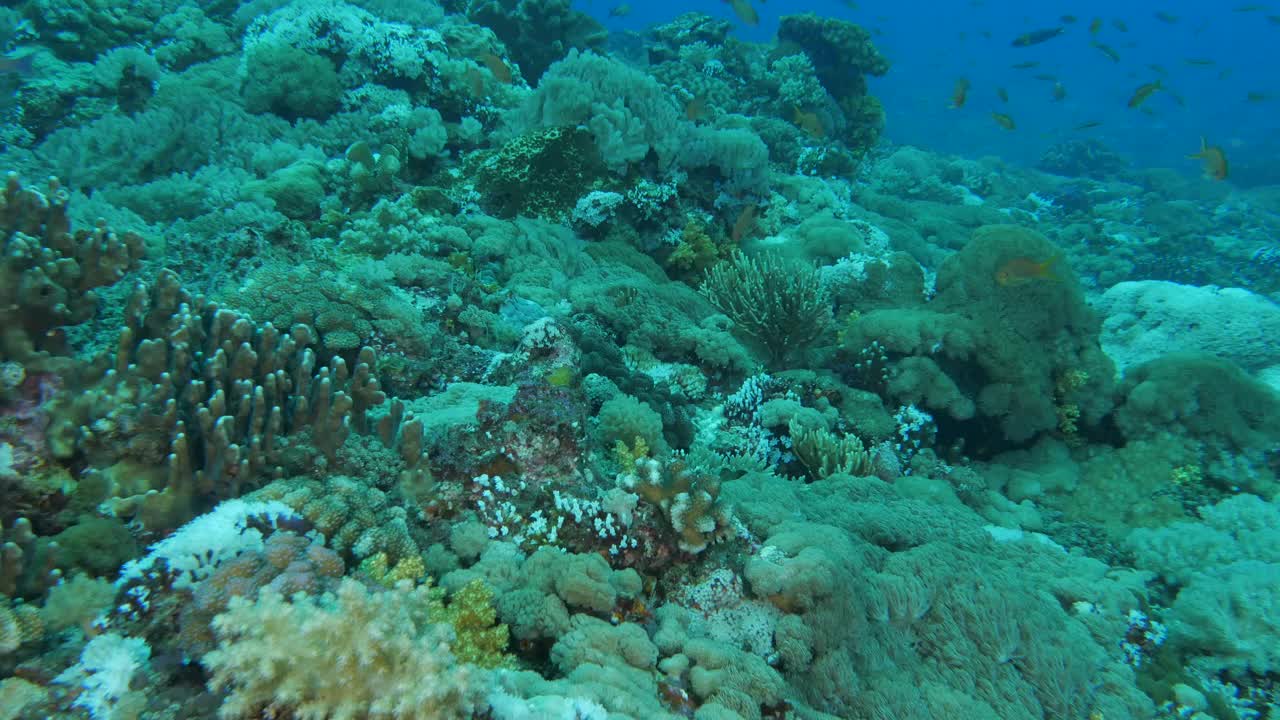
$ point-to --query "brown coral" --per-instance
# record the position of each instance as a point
(48, 272)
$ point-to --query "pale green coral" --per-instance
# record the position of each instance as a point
(353, 653)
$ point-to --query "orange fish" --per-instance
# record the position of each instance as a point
(1023, 270)
(696, 108)
(810, 123)
(745, 223)
(475, 79)
(745, 12)
(960, 94)
(1143, 92)
(501, 72)
(1214, 160)
(1003, 121)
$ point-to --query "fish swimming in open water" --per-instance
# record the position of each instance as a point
(1214, 160)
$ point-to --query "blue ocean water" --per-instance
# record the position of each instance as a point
(932, 44)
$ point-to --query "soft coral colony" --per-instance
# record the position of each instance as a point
(453, 366)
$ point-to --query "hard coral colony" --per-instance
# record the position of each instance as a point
(478, 360)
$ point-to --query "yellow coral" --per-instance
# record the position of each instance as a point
(1185, 475)
(352, 653)
(378, 568)
(479, 640)
(627, 457)
(696, 251)
(19, 624)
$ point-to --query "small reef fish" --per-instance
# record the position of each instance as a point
(1143, 92)
(1107, 50)
(1273, 19)
(1213, 158)
(1088, 125)
(1095, 25)
(1249, 8)
(501, 71)
(1024, 270)
(959, 94)
(1035, 37)
(1257, 97)
(696, 108)
(1002, 94)
(622, 10)
(1004, 121)
(1068, 19)
(1059, 92)
(745, 12)
(810, 123)
(1025, 65)
(1203, 62)
(1166, 17)
(22, 66)
(1120, 25)
(744, 224)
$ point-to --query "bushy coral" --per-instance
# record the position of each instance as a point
(350, 653)
(781, 304)
(996, 349)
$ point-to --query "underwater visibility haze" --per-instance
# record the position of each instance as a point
(598, 360)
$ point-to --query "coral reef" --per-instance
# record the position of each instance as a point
(484, 364)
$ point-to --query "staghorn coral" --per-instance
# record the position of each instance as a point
(352, 653)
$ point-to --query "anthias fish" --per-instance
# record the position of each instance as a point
(1023, 270)
(1214, 160)
(1143, 92)
(745, 12)
(1035, 37)
(1107, 50)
